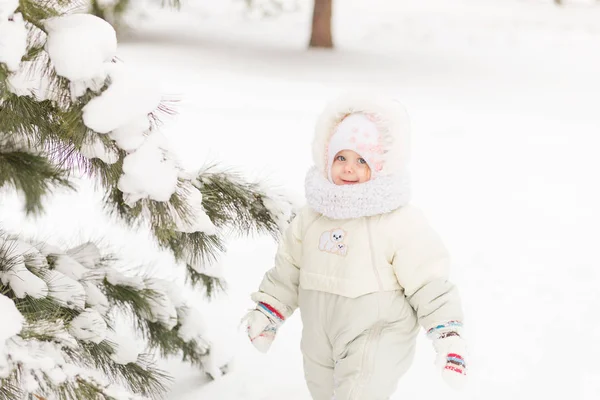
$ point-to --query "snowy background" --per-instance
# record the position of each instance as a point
(503, 97)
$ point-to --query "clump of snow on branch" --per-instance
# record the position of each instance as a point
(11, 325)
(16, 275)
(71, 268)
(147, 173)
(116, 278)
(280, 206)
(196, 218)
(42, 363)
(81, 47)
(13, 35)
(171, 309)
(19, 83)
(65, 290)
(119, 393)
(47, 249)
(93, 147)
(126, 348)
(18, 248)
(89, 326)
(23, 282)
(86, 254)
(131, 135)
(95, 298)
(128, 98)
(12, 319)
(162, 309)
(174, 292)
(211, 366)
(193, 326)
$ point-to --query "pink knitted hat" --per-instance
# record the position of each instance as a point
(357, 132)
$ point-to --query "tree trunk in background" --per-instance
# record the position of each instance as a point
(321, 25)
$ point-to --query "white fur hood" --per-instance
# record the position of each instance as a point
(391, 119)
(389, 189)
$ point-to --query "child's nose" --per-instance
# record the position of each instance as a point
(348, 167)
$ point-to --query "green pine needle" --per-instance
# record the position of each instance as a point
(31, 174)
(33, 53)
(211, 284)
(80, 389)
(6, 262)
(129, 299)
(202, 248)
(168, 343)
(9, 389)
(44, 309)
(3, 75)
(229, 200)
(141, 377)
(35, 11)
(137, 304)
(37, 121)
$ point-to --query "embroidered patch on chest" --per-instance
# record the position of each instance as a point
(333, 242)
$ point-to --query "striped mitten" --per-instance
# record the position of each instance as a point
(262, 324)
(451, 352)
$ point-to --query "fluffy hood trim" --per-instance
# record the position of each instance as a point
(390, 117)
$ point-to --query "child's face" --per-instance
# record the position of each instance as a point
(349, 168)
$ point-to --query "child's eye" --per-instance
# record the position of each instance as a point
(362, 161)
(341, 158)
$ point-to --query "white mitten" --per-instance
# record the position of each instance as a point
(261, 325)
(451, 351)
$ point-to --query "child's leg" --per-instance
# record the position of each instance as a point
(369, 363)
(373, 364)
(316, 346)
(318, 367)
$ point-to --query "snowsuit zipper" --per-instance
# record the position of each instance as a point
(368, 361)
(371, 248)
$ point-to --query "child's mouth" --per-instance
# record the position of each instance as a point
(345, 182)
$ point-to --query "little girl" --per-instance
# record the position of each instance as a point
(363, 266)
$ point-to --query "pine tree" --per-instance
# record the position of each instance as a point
(68, 106)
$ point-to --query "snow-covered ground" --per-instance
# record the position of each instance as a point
(503, 100)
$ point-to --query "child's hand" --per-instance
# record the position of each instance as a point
(261, 325)
(451, 358)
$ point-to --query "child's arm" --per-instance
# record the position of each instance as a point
(421, 263)
(277, 295)
(279, 287)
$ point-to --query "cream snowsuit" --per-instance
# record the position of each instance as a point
(363, 286)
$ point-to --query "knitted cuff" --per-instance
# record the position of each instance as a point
(446, 329)
(270, 312)
(282, 308)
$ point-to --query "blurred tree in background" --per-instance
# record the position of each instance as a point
(321, 24)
